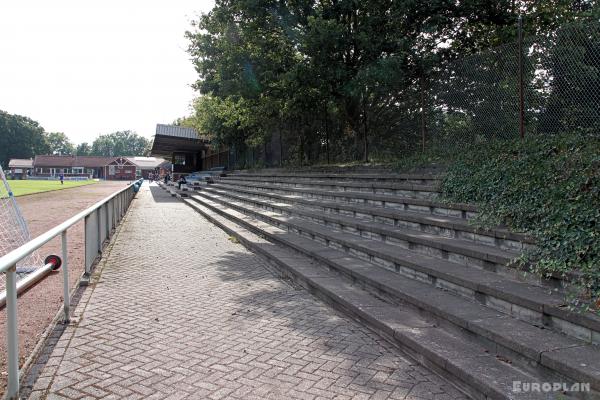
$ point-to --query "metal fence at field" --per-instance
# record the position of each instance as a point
(479, 98)
(536, 85)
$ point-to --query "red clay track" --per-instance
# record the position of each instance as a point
(38, 306)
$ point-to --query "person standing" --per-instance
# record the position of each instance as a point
(62, 178)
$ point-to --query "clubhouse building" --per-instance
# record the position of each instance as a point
(87, 167)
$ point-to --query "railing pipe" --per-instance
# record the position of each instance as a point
(26, 283)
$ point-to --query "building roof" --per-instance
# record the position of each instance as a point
(71, 161)
(147, 162)
(170, 139)
(92, 161)
(54, 161)
(177, 131)
(121, 161)
(20, 163)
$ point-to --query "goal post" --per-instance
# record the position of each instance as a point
(14, 231)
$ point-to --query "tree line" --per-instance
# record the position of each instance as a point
(22, 137)
(328, 79)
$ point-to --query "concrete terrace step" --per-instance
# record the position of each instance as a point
(428, 191)
(394, 189)
(468, 252)
(425, 206)
(467, 341)
(380, 177)
(441, 225)
(533, 304)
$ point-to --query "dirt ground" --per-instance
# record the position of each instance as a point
(39, 305)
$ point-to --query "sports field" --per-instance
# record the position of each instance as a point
(20, 188)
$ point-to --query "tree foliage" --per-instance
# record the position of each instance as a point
(59, 144)
(121, 143)
(83, 149)
(342, 72)
(20, 137)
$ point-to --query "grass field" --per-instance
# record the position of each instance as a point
(21, 188)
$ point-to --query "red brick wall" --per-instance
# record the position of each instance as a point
(126, 172)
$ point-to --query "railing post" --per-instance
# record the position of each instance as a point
(107, 216)
(99, 222)
(12, 332)
(65, 270)
(86, 244)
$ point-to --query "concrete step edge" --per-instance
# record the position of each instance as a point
(350, 176)
(458, 246)
(424, 187)
(409, 216)
(465, 208)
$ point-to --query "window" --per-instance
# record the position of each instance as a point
(78, 170)
(179, 159)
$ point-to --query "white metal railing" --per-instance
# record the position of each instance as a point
(100, 219)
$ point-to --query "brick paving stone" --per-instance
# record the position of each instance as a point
(178, 311)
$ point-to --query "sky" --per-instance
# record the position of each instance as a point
(90, 68)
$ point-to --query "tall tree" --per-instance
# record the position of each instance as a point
(59, 143)
(83, 149)
(121, 143)
(20, 137)
(349, 71)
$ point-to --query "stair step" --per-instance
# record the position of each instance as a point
(382, 177)
(384, 189)
(394, 188)
(460, 356)
(534, 304)
(395, 217)
(469, 248)
(374, 200)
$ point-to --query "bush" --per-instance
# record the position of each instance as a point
(545, 186)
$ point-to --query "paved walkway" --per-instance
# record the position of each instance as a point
(179, 311)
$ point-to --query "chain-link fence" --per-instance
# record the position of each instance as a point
(554, 87)
(478, 98)
(14, 232)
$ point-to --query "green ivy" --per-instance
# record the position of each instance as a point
(546, 186)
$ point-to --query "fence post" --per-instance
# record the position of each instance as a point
(423, 120)
(521, 80)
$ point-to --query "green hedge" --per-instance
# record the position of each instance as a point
(548, 187)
